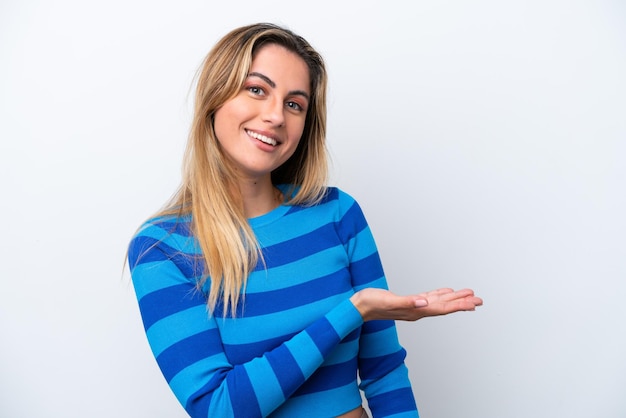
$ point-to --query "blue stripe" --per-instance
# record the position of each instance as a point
(241, 388)
(392, 402)
(142, 247)
(150, 277)
(286, 369)
(342, 353)
(357, 223)
(352, 336)
(174, 234)
(168, 329)
(377, 325)
(366, 270)
(330, 377)
(241, 353)
(306, 269)
(376, 367)
(278, 300)
(362, 245)
(199, 402)
(165, 302)
(323, 335)
(331, 194)
(145, 249)
(245, 330)
(194, 348)
(176, 226)
(300, 247)
(377, 343)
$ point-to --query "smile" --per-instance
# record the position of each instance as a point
(262, 138)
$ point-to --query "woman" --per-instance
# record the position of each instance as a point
(261, 289)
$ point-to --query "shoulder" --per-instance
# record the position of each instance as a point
(344, 203)
(338, 197)
(168, 224)
(332, 199)
(336, 205)
(347, 215)
(163, 234)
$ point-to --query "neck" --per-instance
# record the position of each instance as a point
(259, 197)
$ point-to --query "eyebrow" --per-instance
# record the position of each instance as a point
(273, 85)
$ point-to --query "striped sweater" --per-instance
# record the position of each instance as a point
(297, 343)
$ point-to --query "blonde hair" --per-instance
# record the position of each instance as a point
(209, 189)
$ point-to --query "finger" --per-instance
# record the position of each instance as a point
(477, 301)
(437, 292)
(458, 306)
(448, 307)
(455, 295)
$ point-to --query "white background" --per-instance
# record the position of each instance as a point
(485, 141)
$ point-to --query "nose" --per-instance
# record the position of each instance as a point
(274, 112)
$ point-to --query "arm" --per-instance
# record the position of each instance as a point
(384, 377)
(387, 388)
(188, 348)
(383, 374)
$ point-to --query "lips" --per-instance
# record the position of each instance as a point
(265, 139)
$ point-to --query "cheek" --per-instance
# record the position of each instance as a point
(227, 117)
(221, 125)
(296, 130)
(293, 148)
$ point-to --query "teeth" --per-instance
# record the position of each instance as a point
(263, 138)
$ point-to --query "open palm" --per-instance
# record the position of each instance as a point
(382, 304)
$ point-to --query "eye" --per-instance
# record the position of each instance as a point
(295, 106)
(256, 90)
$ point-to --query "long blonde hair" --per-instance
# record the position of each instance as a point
(209, 189)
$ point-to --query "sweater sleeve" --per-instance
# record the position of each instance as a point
(383, 373)
(188, 348)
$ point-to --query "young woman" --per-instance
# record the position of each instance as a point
(261, 289)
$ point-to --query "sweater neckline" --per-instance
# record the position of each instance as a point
(268, 217)
(274, 214)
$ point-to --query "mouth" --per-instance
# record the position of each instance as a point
(265, 139)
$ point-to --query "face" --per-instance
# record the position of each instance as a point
(260, 128)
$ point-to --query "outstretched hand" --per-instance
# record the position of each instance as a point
(382, 304)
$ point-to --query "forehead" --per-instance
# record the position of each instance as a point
(283, 66)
